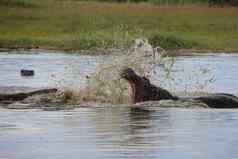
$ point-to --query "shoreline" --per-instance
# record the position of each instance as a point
(111, 51)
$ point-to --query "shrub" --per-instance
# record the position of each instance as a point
(170, 42)
(17, 3)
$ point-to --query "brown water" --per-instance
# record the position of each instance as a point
(115, 133)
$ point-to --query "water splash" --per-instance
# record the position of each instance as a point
(106, 85)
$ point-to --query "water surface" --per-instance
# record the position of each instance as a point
(119, 133)
(190, 73)
(208, 73)
(51, 69)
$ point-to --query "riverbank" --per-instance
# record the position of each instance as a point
(74, 26)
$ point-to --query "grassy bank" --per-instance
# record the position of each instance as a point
(71, 24)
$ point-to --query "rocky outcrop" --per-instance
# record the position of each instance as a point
(143, 90)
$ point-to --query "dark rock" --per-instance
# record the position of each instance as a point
(27, 72)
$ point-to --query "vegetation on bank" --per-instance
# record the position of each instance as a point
(172, 2)
(72, 24)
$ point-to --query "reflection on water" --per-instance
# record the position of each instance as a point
(71, 70)
(119, 133)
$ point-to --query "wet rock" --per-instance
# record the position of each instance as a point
(27, 72)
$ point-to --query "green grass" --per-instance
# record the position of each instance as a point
(63, 24)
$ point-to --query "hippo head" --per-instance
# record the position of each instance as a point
(140, 85)
(129, 75)
(142, 89)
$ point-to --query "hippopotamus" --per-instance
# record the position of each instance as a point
(143, 90)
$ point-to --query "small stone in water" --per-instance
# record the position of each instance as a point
(27, 72)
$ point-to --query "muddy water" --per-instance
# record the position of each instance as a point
(113, 133)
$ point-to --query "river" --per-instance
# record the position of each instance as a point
(71, 70)
(114, 133)
(117, 132)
